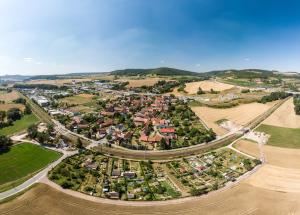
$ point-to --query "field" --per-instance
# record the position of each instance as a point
(282, 137)
(284, 116)
(20, 125)
(23, 160)
(8, 97)
(239, 115)
(281, 173)
(192, 88)
(58, 82)
(6, 107)
(77, 99)
(241, 199)
(140, 82)
(274, 155)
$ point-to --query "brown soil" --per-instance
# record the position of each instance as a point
(284, 116)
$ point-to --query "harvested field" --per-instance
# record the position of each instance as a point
(141, 82)
(59, 82)
(274, 155)
(6, 107)
(193, 87)
(241, 199)
(240, 115)
(9, 97)
(247, 147)
(277, 178)
(284, 116)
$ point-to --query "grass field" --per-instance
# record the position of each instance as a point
(23, 160)
(19, 125)
(282, 137)
(78, 99)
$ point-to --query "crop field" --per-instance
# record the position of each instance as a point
(6, 107)
(141, 82)
(282, 137)
(23, 160)
(77, 99)
(284, 116)
(20, 125)
(276, 156)
(58, 82)
(248, 147)
(239, 115)
(192, 88)
(8, 97)
(241, 199)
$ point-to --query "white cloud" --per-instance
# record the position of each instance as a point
(162, 61)
(28, 59)
(247, 59)
(198, 65)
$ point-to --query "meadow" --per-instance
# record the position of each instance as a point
(21, 161)
(19, 125)
(282, 137)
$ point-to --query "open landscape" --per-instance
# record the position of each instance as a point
(192, 88)
(149, 107)
(22, 162)
(236, 115)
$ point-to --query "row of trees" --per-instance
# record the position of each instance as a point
(274, 96)
(297, 104)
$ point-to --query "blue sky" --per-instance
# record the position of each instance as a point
(62, 36)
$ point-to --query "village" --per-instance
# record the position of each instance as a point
(123, 118)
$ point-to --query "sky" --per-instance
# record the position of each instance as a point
(64, 36)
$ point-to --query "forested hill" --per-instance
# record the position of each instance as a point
(244, 73)
(158, 71)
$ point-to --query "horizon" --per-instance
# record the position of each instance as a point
(55, 37)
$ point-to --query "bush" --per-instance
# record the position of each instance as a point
(66, 184)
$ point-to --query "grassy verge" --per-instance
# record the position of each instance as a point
(282, 137)
(23, 160)
(20, 125)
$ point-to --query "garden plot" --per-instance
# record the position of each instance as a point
(208, 172)
(113, 178)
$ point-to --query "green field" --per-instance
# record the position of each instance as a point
(22, 161)
(19, 125)
(282, 137)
